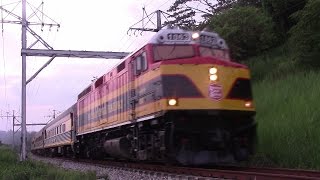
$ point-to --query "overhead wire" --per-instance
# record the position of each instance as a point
(33, 90)
(4, 61)
(13, 8)
(132, 42)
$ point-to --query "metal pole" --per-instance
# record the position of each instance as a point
(13, 119)
(158, 20)
(23, 89)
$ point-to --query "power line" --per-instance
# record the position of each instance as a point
(4, 63)
(49, 52)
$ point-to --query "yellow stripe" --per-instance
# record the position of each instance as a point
(125, 88)
(199, 75)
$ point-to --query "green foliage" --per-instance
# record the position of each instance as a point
(182, 17)
(272, 64)
(280, 11)
(247, 31)
(183, 12)
(305, 35)
(12, 169)
(288, 121)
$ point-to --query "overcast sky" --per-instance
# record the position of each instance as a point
(95, 25)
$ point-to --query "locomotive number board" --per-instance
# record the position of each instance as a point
(178, 36)
(208, 40)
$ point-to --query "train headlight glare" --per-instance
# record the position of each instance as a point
(195, 35)
(172, 102)
(248, 104)
(213, 70)
(213, 77)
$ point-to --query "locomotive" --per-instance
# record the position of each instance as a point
(179, 98)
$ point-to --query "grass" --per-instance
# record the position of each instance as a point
(12, 169)
(287, 99)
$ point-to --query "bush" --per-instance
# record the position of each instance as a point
(247, 30)
(305, 37)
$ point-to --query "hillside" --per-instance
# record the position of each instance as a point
(287, 100)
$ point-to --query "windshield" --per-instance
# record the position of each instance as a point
(164, 52)
(217, 53)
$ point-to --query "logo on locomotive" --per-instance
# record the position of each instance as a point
(215, 92)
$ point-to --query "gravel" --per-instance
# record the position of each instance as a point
(112, 173)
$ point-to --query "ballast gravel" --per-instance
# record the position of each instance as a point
(111, 173)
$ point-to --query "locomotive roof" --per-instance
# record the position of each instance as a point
(180, 36)
(172, 36)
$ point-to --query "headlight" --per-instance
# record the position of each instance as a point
(172, 102)
(213, 77)
(248, 104)
(195, 35)
(213, 70)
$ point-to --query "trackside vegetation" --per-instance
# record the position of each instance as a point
(12, 169)
(289, 121)
(287, 101)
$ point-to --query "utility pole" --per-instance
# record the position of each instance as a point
(144, 26)
(14, 119)
(13, 123)
(24, 84)
(49, 52)
(13, 130)
(53, 116)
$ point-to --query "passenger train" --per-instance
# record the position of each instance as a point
(179, 98)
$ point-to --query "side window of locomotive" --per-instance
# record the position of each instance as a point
(141, 63)
(144, 61)
(138, 64)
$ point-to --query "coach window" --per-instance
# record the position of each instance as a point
(63, 128)
(141, 63)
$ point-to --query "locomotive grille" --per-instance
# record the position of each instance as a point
(241, 90)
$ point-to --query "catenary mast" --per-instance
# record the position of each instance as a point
(49, 52)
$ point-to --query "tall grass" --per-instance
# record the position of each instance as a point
(289, 120)
(12, 169)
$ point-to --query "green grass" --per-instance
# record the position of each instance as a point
(12, 169)
(288, 120)
(287, 98)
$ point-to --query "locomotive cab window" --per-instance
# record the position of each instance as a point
(166, 52)
(213, 52)
(141, 63)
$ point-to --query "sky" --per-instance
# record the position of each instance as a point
(95, 25)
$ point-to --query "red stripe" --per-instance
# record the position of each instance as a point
(204, 60)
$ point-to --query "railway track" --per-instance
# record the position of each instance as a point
(228, 172)
(236, 173)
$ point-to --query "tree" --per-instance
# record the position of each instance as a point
(304, 38)
(280, 11)
(247, 30)
(188, 14)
